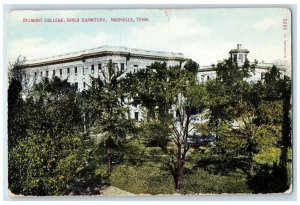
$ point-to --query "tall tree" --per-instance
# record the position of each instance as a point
(50, 156)
(16, 111)
(280, 88)
(172, 96)
(108, 112)
(233, 100)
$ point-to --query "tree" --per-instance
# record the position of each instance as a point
(49, 156)
(42, 165)
(234, 101)
(164, 92)
(278, 88)
(108, 112)
(54, 108)
(16, 113)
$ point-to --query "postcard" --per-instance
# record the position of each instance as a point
(130, 102)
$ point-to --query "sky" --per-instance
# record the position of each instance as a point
(204, 35)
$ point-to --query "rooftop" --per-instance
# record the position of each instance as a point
(239, 49)
(110, 49)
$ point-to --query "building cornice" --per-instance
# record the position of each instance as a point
(106, 51)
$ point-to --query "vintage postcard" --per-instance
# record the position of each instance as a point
(126, 102)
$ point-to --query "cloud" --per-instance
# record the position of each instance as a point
(175, 30)
(35, 48)
(268, 23)
(178, 34)
(185, 34)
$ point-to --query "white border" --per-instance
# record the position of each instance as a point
(148, 4)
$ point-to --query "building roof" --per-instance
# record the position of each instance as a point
(239, 51)
(106, 50)
(261, 65)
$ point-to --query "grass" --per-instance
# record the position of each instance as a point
(150, 179)
(145, 179)
(208, 174)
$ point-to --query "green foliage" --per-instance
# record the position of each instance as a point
(53, 108)
(150, 179)
(203, 182)
(42, 165)
(17, 121)
(146, 179)
(46, 157)
(192, 67)
(251, 122)
(155, 134)
(110, 123)
(132, 152)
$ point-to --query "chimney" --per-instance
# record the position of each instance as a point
(239, 46)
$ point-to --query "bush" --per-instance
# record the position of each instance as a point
(203, 182)
(43, 166)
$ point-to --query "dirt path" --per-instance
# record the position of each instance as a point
(114, 191)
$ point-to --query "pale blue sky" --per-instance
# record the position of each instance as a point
(205, 35)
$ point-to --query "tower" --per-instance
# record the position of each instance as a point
(239, 54)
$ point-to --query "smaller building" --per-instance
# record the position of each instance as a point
(240, 55)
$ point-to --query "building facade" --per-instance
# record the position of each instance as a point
(240, 55)
(77, 67)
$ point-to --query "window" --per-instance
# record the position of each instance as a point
(75, 71)
(262, 76)
(41, 73)
(53, 73)
(60, 72)
(68, 71)
(136, 116)
(122, 67)
(135, 68)
(76, 86)
(92, 69)
(83, 70)
(240, 57)
(208, 77)
(83, 85)
(116, 67)
(202, 78)
(47, 73)
(234, 57)
(35, 74)
(99, 68)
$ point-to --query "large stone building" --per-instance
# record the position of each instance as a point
(77, 67)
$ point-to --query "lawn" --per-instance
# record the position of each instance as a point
(150, 179)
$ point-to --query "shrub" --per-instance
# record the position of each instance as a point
(201, 181)
(44, 165)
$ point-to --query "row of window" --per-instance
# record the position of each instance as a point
(203, 78)
(75, 70)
